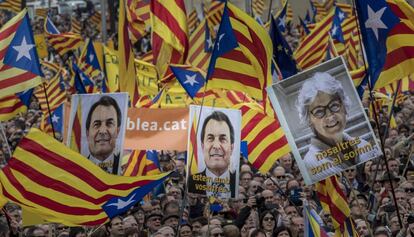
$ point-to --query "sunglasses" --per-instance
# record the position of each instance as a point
(347, 171)
(281, 176)
(409, 190)
(268, 219)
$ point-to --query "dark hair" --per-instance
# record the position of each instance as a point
(75, 230)
(31, 231)
(280, 229)
(218, 116)
(256, 232)
(104, 101)
(264, 213)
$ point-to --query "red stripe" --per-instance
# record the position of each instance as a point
(170, 21)
(202, 63)
(138, 163)
(15, 79)
(243, 79)
(10, 109)
(73, 168)
(238, 56)
(57, 185)
(4, 33)
(193, 140)
(264, 155)
(399, 55)
(95, 222)
(149, 168)
(252, 123)
(311, 51)
(263, 134)
(67, 47)
(196, 36)
(45, 201)
(397, 10)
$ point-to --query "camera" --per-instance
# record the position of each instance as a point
(410, 218)
(389, 208)
(295, 197)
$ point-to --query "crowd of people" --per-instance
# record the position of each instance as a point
(268, 205)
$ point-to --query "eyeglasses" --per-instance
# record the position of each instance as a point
(351, 170)
(409, 190)
(320, 111)
(268, 219)
(281, 176)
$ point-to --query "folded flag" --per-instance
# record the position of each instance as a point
(190, 78)
(12, 105)
(47, 178)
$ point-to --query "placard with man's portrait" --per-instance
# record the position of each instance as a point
(213, 151)
(100, 120)
(325, 123)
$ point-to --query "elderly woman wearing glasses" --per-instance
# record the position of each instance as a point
(323, 105)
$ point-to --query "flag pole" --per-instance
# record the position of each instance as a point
(382, 136)
(48, 110)
(270, 10)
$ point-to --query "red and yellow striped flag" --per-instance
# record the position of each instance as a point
(192, 20)
(18, 72)
(142, 163)
(257, 7)
(12, 105)
(138, 15)
(245, 64)
(334, 202)
(11, 5)
(352, 55)
(41, 12)
(192, 145)
(358, 75)
(197, 55)
(266, 141)
(76, 26)
(61, 42)
(170, 34)
(127, 76)
(312, 49)
(47, 178)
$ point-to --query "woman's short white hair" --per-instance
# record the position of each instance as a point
(320, 82)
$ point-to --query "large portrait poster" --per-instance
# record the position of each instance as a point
(213, 151)
(324, 120)
(97, 128)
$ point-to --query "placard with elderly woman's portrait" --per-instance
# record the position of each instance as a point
(324, 120)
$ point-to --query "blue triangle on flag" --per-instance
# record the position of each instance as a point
(191, 81)
(57, 119)
(225, 41)
(21, 52)
(25, 96)
(91, 57)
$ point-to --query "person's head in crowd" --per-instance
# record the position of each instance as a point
(292, 184)
(259, 178)
(394, 165)
(79, 232)
(171, 220)
(216, 221)
(411, 125)
(35, 231)
(408, 187)
(404, 130)
(100, 232)
(401, 197)
(156, 205)
(257, 233)
(286, 162)
(231, 231)
(166, 231)
(245, 178)
(172, 207)
(176, 192)
(245, 168)
(139, 215)
(298, 225)
(217, 142)
(130, 224)
(250, 222)
(381, 231)
(362, 228)
(393, 133)
(197, 224)
(254, 186)
(327, 220)
(103, 125)
(359, 207)
(115, 227)
(270, 183)
(386, 177)
(180, 166)
(269, 197)
(185, 230)
(350, 174)
(268, 221)
(291, 211)
(153, 221)
(394, 224)
(216, 231)
(376, 168)
(282, 231)
(279, 173)
(323, 105)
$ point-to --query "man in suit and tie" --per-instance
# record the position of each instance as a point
(217, 143)
(102, 128)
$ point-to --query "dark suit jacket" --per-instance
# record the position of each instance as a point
(192, 183)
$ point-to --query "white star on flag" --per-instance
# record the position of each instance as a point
(374, 20)
(23, 50)
(282, 22)
(209, 42)
(122, 204)
(341, 16)
(219, 40)
(334, 30)
(55, 119)
(91, 57)
(191, 79)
